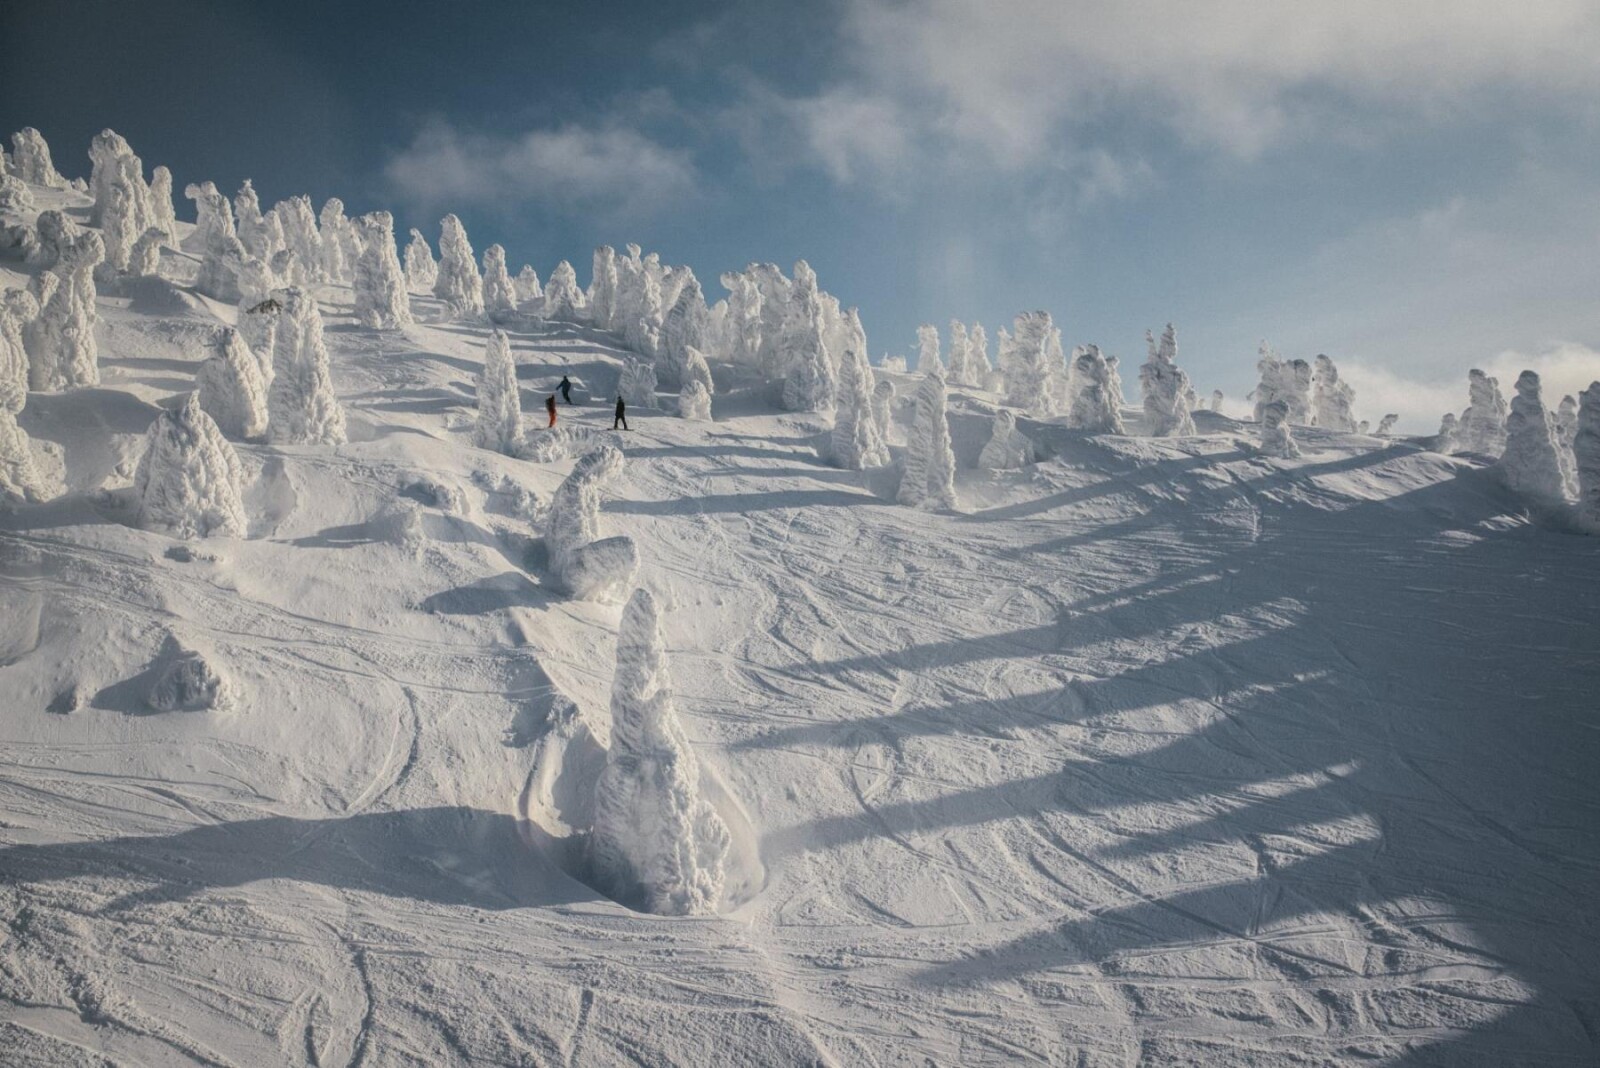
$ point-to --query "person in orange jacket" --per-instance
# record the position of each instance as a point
(550, 406)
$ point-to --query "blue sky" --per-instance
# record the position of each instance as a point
(1411, 188)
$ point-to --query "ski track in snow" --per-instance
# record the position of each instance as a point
(1157, 753)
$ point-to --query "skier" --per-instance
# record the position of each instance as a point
(550, 406)
(566, 389)
(622, 414)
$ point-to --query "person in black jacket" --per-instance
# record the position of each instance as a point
(566, 389)
(622, 414)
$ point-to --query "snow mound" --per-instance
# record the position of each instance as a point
(189, 482)
(547, 445)
(189, 681)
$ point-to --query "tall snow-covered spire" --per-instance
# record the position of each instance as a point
(1096, 404)
(1586, 453)
(930, 467)
(458, 283)
(1165, 389)
(380, 289)
(581, 562)
(421, 269)
(857, 443)
(499, 424)
(1530, 464)
(231, 388)
(189, 482)
(302, 407)
(499, 294)
(1276, 437)
(1331, 398)
(1482, 427)
(563, 298)
(809, 384)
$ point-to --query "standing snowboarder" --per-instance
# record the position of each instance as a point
(566, 389)
(622, 414)
(550, 406)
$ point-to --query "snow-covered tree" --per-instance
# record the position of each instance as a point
(117, 229)
(257, 313)
(563, 299)
(603, 288)
(527, 285)
(1586, 451)
(56, 235)
(776, 294)
(30, 159)
(18, 308)
(978, 356)
(638, 383)
(1565, 422)
(883, 406)
(458, 283)
(1386, 424)
(1023, 362)
(1165, 388)
(1007, 447)
(684, 328)
(421, 270)
(19, 475)
(639, 307)
(15, 196)
(742, 325)
(1530, 464)
(62, 351)
(221, 262)
(499, 400)
(213, 214)
(1095, 403)
(960, 369)
(332, 226)
(694, 402)
(808, 385)
(1276, 437)
(1331, 399)
(379, 287)
(1445, 442)
(231, 389)
(928, 361)
(144, 259)
(581, 562)
(656, 842)
(251, 223)
(162, 214)
(189, 482)
(930, 463)
(1482, 427)
(857, 443)
(499, 294)
(108, 151)
(301, 403)
(1216, 400)
(300, 239)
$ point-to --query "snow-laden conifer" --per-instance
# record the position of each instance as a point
(163, 216)
(1276, 437)
(458, 283)
(1482, 427)
(581, 562)
(18, 308)
(962, 372)
(302, 406)
(928, 361)
(638, 383)
(603, 288)
(55, 233)
(1586, 454)
(883, 406)
(776, 293)
(1095, 403)
(378, 285)
(742, 325)
(189, 482)
(144, 259)
(656, 843)
(331, 227)
(1331, 399)
(421, 270)
(563, 298)
(499, 424)
(1216, 400)
(1386, 424)
(857, 442)
(251, 223)
(1165, 388)
(30, 159)
(694, 403)
(527, 285)
(1023, 362)
(684, 328)
(117, 230)
(300, 240)
(62, 350)
(1007, 447)
(1530, 464)
(978, 355)
(20, 480)
(231, 389)
(928, 480)
(499, 294)
(809, 383)
(109, 152)
(257, 313)
(1445, 441)
(213, 214)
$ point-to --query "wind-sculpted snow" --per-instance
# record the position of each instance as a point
(231, 388)
(961, 371)
(808, 385)
(30, 158)
(637, 383)
(56, 234)
(656, 844)
(1007, 447)
(1277, 439)
(379, 287)
(257, 313)
(1286, 380)
(694, 402)
(563, 299)
(1096, 402)
(301, 402)
(189, 681)
(458, 283)
(1482, 427)
(857, 441)
(189, 482)
(499, 294)
(1165, 389)
(1331, 398)
(112, 157)
(421, 269)
(1530, 463)
(163, 216)
(19, 475)
(17, 308)
(144, 259)
(929, 477)
(742, 322)
(251, 224)
(1216, 400)
(588, 567)
(499, 425)
(883, 394)
(1586, 456)
(62, 350)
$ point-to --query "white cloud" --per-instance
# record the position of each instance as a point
(1566, 368)
(612, 169)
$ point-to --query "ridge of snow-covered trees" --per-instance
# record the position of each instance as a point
(1096, 405)
(1007, 447)
(1530, 464)
(1331, 399)
(1024, 362)
(587, 566)
(1276, 437)
(189, 482)
(929, 476)
(928, 350)
(458, 283)
(302, 407)
(527, 285)
(499, 425)
(30, 159)
(603, 288)
(684, 328)
(857, 442)
(1482, 427)
(499, 294)
(231, 389)
(656, 843)
(379, 287)
(637, 383)
(1586, 454)
(62, 351)
(421, 270)
(808, 385)
(1165, 388)
(563, 298)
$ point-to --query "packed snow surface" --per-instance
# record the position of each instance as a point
(1161, 751)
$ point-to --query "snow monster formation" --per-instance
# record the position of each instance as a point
(929, 480)
(232, 390)
(19, 478)
(499, 293)
(499, 426)
(421, 270)
(563, 299)
(189, 482)
(1530, 464)
(694, 397)
(588, 567)
(1096, 400)
(1276, 437)
(1482, 427)
(684, 328)
(30, 159)
(928, 361)
(458, 283)
(379, 287)
(656, 844)
(62, 351)
(1024, 363)
(808, 384)
(1586, 454)
(1007, 447)
(1165, 388)
(302, 407)
(857, 443)
(1331, 399)
(637, 383)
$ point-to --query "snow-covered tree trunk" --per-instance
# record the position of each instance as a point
(499, 294)
(1482, 427)
(458, 283)
(563, 299)
(30, 158)
(231, 389)
(928, 480)
(1165, 389)
(421, 270)
(1276, 437)
(585, 565)
(809, 384)
(656, 843)
(1331, 399)
(1095, 403)
(379, 287)
(189, 482)
(1530, 464)
(1586, 451)
(499, 424)
(302, 406)
(1006, 448)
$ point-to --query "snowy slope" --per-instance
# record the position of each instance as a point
(1157, 753)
